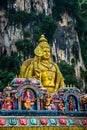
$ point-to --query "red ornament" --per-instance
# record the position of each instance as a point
(23, 121)
(62, 121)
(19, 80)
(2, 121)
(43, 121)
(84, 122)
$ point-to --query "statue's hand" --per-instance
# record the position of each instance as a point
(37, 73)
(56, 89)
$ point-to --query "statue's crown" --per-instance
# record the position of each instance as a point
(42, 39)
(43, 42)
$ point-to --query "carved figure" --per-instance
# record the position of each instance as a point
(61, 106)
(43, 68)
(28, 101)
(47, 102)
(53, 107)
(8, 104)
(71, 105)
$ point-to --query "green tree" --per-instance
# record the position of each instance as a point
(4, 3)
(17, 17)
(9, 68)
(25, 47)
(5, 78)
(68, 73)
(48, 27)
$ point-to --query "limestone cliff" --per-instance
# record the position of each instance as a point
(40, 6)
(65, 36)
(10, 33)
(64, 39)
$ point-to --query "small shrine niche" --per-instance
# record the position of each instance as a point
(73, 104)
(28, 100)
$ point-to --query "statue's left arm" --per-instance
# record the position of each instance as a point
(59, 81)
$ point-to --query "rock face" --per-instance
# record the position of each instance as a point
(8, 35)
(64, 39)
(2, 25)
(40, 6)
(65, 36)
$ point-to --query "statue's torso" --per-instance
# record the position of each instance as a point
(47, 75)
(48, 78)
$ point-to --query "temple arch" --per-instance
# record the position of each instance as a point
(34, 94)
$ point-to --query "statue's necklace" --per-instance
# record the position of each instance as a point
(47, 65)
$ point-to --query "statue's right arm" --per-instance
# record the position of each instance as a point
(26, 69)
(29, 71)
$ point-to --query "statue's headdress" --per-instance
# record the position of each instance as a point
(42, 44)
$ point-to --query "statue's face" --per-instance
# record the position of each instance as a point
(46, 53)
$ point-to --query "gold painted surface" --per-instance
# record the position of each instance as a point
(43, 68)
(43, 128)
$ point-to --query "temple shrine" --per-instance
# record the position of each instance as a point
(39, 99)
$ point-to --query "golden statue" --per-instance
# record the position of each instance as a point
(43, 68)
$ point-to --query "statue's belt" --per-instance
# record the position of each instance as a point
(50, 86)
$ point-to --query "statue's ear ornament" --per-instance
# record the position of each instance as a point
(38, 51)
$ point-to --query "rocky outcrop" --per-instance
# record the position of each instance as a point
(65, 36)
(8, 35)
(64, 39)
(40, 6)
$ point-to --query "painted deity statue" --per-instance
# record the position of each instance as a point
(61, 106)
(43, 68)
(28, 100)
(8, 104)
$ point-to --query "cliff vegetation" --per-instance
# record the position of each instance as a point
(32, 24)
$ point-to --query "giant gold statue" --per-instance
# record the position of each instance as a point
(43, 68)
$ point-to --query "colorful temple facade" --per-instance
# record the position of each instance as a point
(26, 103)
